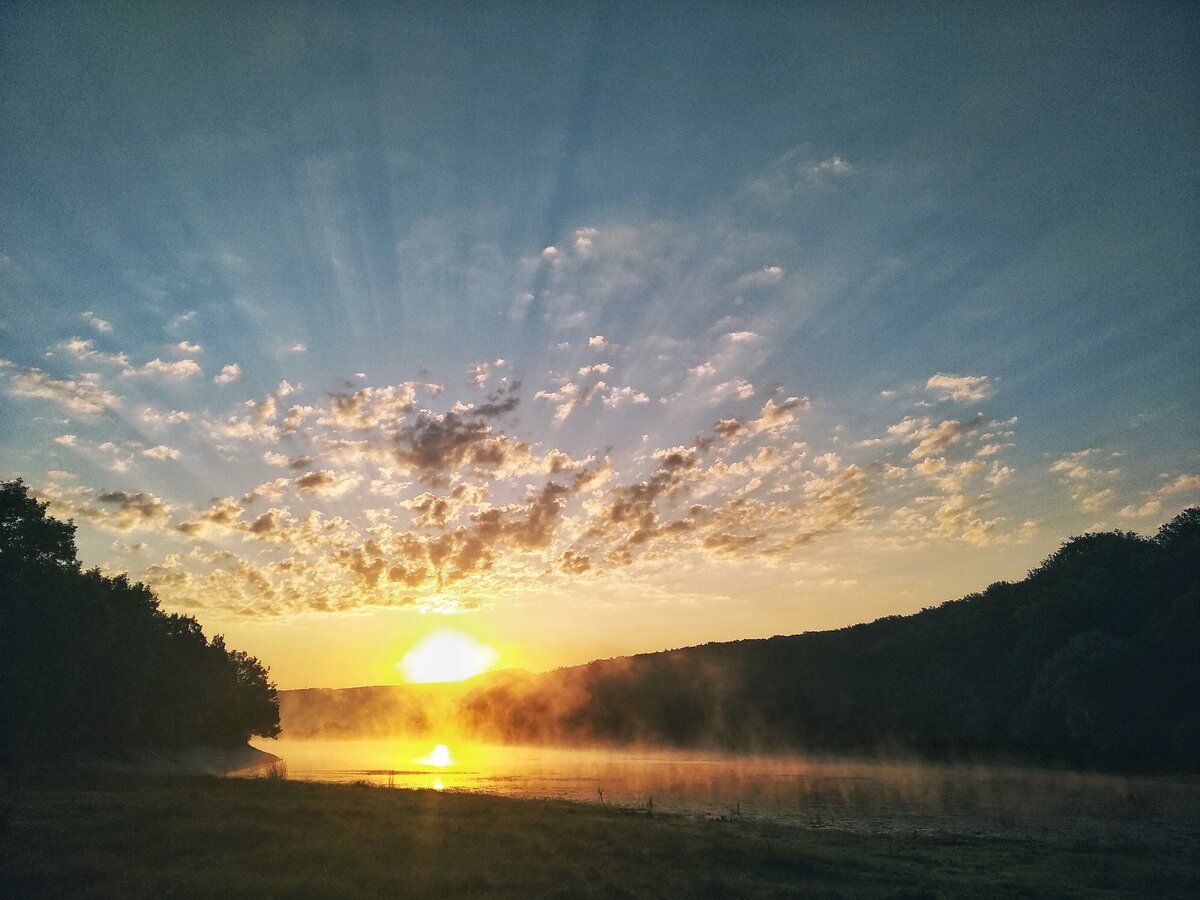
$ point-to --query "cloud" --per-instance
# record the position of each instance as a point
(1182, 484)
(1078, 466)
(178, 370)
(479, 373)
(599, 342)
(798, 172)
(84, 395)
(438, 512)
(566, 399)
(183, 318)
(67, 440)
(433, 446)
(325, 483)
(739, 388)
(1080, 470)
(222, 514)
(765, 277)
(271, 490)
(619, 396)
(776, 416)
(84, 351)
(473, 505)
(1094, 501)
(278, 459)
(229, 374)
(96, 322)
(833, 167)
(1149, 508)
(162, 451)
(371, 407)
(772, 418)
(960, 388)
(930, 439)
(743, 337)
(126, 511)
(151, 416)
(1152, 503)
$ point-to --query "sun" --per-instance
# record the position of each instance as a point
(446, 655)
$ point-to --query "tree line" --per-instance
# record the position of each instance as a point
(89, 663)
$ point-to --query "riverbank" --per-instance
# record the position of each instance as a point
(194, 760)
(78, 833)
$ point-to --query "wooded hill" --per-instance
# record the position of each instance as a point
(1092, 660)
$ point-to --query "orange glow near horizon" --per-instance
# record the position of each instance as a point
(446, 655)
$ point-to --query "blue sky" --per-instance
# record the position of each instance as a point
(805, 315)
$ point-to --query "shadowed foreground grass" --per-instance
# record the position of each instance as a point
(90, 834)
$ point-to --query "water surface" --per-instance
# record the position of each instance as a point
(861, 795)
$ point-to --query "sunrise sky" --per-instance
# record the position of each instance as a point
(593, 329)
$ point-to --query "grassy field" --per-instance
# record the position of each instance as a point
(91, 834)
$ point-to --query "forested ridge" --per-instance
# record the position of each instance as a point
(1092, 660)
(89, 664)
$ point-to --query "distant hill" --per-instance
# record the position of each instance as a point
(1092, 660)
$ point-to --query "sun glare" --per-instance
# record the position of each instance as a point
(439, 756)
(446, 655)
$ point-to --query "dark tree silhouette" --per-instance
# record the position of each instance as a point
(89, 663)
(29, 537)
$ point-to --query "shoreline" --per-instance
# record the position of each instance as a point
(227, 762)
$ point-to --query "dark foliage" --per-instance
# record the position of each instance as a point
(1092, 660)
(89, 663)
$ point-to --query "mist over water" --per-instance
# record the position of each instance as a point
(818, 792)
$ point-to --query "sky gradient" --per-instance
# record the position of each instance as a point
(591, 330)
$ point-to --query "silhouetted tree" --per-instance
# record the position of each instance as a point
(90, 663)
(30, 537)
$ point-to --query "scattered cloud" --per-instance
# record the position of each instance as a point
(83, 395)
(1149, 508)
(161, 451)
(961, 388)
(229, 374)
(85, 351)
(1182, 484)
(743, 337)
(480, 372)
(1081, 466)
(96, 322)
(326, 483)
(765, 277)
(152, 416)
(833, 167)
(798, 172)
(177, 371)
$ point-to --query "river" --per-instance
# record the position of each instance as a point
(838, 793)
